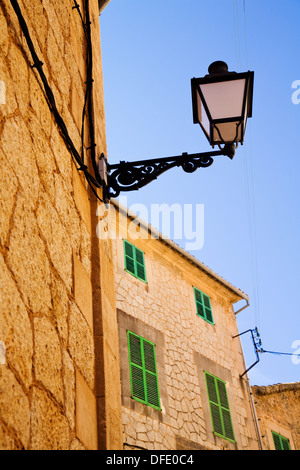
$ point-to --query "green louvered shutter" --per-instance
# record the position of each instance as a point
(207, 308)
(140, 264)
(280, 442)
(276, 440)
(285, 443)
(214, 404)
(203, 305)
(143, 370)
(129, 257)
(134, 261)
(199, 304)
(225, 412)
(219, 407)
(151, 375)
(136, 367)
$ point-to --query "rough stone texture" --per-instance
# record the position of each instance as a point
(47, 244)
(49, 426)
(15, 409)
(47, 357)
(277, 408)
(86, 422)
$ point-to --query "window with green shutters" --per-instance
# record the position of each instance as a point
(143, 371)
(134, 261)
(203, 306)
(219, 407)
(280, 442)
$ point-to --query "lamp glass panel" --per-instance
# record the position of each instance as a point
(246, 115)
(224, 99)
(228, 132)
(202, 116)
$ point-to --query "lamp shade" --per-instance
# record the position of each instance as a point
(222, 103)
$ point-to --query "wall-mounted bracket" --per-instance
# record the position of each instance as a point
(130, 176)
(256, 343)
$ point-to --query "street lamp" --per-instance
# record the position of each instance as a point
(222, 103)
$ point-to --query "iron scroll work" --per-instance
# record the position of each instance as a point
(130, 176)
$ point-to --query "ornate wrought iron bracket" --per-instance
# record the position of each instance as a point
(130, 176)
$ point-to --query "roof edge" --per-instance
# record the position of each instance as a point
(276, 388)
(123, 209)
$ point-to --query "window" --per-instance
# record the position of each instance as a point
(203, 306)
(280, 442)
(143, 371)
(134, 261)
(219, 407)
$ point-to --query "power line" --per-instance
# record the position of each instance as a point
(248, 160)
(245, 33)
(93, 181)
(236, 34)
(280, 353)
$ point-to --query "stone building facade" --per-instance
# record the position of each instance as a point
(278, 412)
(59, 373)
(69, 311)
(158, 306)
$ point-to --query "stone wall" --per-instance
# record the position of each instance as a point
(163, 311)
(277, 409)
(53, 387)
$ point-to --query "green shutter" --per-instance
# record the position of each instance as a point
(140, 264)
(285, 443)
(136, 368)
(143, 370)
(203, 306)
(280, 442)
(219, 407)
(134, 261)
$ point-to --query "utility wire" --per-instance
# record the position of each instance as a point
(236, 34)
(90, 81)
(94, 182)
(77, 7)
(245, 33)
(242, 52)
(280, 353)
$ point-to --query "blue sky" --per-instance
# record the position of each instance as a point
(150, 52)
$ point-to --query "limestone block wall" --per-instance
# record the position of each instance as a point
(163, 311)
(49, 392)
(277, 409)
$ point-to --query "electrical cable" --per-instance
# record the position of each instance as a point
(88, 92)
(77, 7)
(245, 33)
(236, 34)
(92, 181)
(250, 183)
(90, 88)
(248, 160)
(280, 353)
